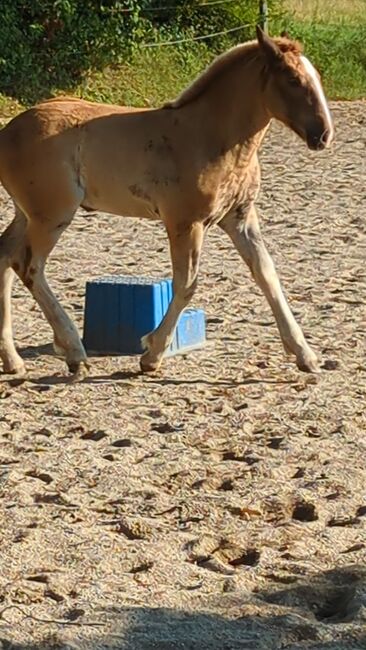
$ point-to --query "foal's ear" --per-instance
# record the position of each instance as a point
(269, 47)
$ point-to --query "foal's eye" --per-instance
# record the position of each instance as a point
(294, 82)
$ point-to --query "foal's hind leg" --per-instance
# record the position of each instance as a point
(39, 240)
(243, 228)
(12, 362)
(185, 247)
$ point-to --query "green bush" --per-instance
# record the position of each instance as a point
(50, 44)
(46, 44)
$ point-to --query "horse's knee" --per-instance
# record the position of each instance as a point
(185, 294)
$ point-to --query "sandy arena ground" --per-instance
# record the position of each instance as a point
(221, 504)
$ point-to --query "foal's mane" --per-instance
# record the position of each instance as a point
(243, 52)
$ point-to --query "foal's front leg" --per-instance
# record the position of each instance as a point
(242, 226)
(185, 247)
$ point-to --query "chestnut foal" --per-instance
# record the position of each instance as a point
(191, 163)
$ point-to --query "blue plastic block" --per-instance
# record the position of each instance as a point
(120, 310)
(190, 332)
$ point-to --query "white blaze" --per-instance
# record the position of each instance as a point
(311, 72)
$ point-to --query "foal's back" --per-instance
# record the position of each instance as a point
(70, 151)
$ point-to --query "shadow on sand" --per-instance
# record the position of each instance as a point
(324, 612)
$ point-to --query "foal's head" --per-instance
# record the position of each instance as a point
(293, 91)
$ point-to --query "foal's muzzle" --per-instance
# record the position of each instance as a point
(319, 140)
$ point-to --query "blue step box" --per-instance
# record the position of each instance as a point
(120, 310)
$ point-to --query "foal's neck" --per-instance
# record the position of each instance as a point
(231, 115)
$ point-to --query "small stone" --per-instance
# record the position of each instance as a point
(213, 564)
(343, 521)
(229, 585)
(123, 442)
(300, 473)
(133, 529)
(275, 442)
(74, 614)
(249, 558)
(330, 364)
(227, 485)
(304, 511)
(94, 435)
(49, 593)
(356, 547)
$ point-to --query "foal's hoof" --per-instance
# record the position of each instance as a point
(149, 362)
(14, 369)
(308, 363)
(79, 370)
(148, 365)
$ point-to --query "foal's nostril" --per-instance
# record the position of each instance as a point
(326, 137)
(319, 140)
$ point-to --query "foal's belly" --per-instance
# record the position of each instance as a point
(127, 202)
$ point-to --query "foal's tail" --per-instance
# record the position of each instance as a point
(7, 150)
(2, 131)
(13, 136)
